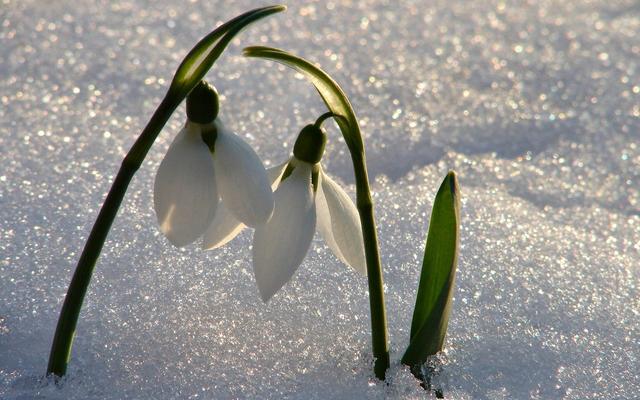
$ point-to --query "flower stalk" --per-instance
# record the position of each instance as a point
(65, 330)
(338, 103)
(364, 203)
(189, 74)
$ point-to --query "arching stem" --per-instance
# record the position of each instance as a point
(189, 74)
(324, 117)
(339, 105)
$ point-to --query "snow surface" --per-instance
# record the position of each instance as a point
(536, 105)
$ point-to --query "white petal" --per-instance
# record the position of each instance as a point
(339, 224)
(275, 173)
(242, 179)
(280, 245)
(222, 229)
(188, 129)
(184, 191)
(225, 226)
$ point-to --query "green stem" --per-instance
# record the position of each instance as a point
(324, 117)
(364, 203)
(65, 330)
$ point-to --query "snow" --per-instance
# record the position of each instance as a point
(535, 104)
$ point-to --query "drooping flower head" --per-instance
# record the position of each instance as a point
(208, 168)
(306, 198)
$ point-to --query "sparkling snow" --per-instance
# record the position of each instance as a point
(535, 104)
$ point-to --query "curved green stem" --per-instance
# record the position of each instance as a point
(189, 74)
(65, 330)
(325, 117)
(339, 105)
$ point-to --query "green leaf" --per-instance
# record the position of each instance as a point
(433, 302)
(200, 59)
(332, 94)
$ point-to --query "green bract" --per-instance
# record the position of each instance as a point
(200, 59)
(329, 90)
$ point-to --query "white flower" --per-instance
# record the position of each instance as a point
(304, 199)
(225, 226)
(197, 181)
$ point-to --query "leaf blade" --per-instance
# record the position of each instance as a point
(437, 278)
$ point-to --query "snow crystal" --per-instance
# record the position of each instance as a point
(534, 104)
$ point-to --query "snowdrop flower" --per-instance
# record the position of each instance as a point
(225, 226)
(208, 169)
(305, 198)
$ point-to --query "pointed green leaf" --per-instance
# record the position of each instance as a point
(206, 51)
(433, 302)
(332, 94)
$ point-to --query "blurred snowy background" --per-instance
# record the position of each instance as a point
(536, 105)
